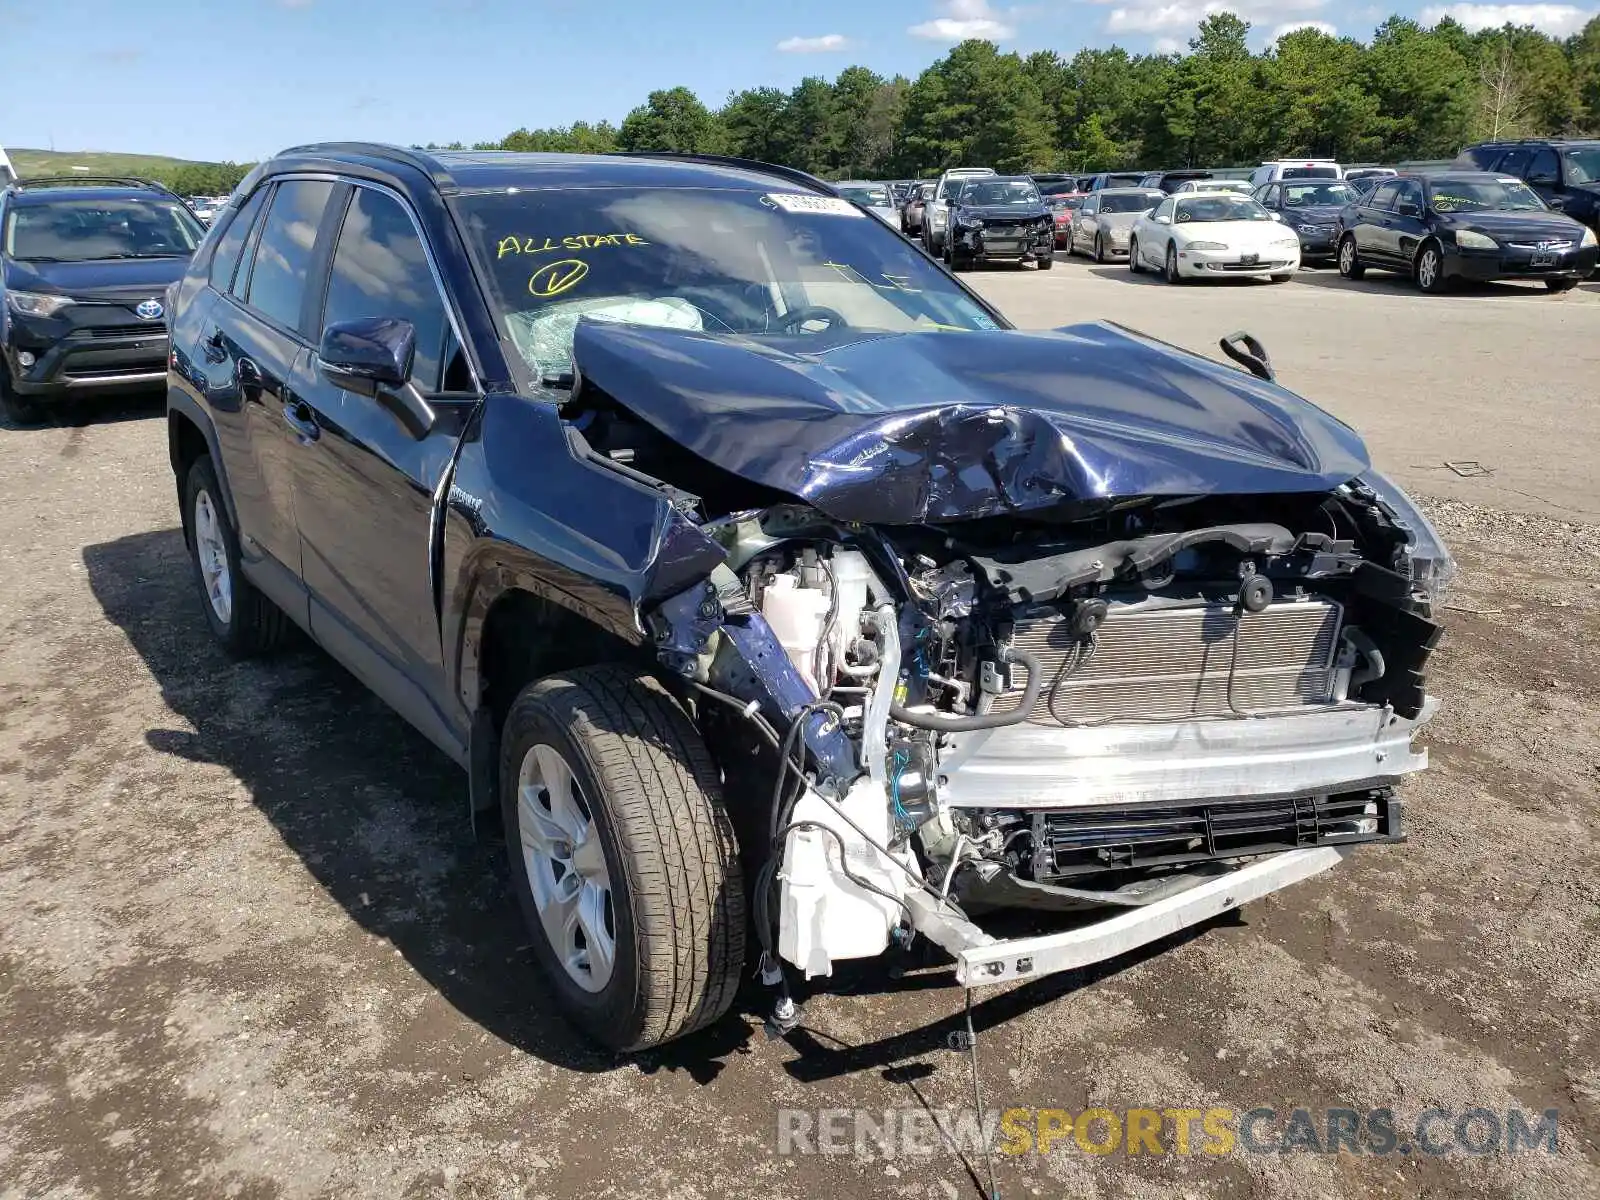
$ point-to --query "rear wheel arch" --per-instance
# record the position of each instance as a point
(189, 439)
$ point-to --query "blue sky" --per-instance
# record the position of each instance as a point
(241, 79)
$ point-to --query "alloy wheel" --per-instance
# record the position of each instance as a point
(566, 865)
(213, 554)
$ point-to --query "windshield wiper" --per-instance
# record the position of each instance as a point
(103, 257)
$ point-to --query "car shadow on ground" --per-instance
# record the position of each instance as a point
(379, 818)
(1397, 284)
(79, 414)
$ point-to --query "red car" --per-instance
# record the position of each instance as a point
(1062, 208)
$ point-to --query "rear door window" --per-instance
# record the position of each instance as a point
(380, 269)
(1515, 163)
(230, 244)
(1544, 168)
(283, 253)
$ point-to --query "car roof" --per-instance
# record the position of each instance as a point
(23, 196)
(457, 171)
(1458, 176)
(1131, 191)
(1553, 141)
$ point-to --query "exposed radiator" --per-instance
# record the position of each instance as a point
(1157, 660)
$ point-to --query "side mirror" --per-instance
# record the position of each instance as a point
(1163, 220)
(1277, 216)
(373, 357)
(1408, 208)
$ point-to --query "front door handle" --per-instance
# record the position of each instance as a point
(302, 420)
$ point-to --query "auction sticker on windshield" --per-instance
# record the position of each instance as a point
(800, 202)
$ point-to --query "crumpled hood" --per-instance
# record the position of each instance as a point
(906, 428)
(1017, 213)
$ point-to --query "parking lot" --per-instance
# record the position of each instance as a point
(252, 946)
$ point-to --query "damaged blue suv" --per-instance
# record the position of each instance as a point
(784, 602)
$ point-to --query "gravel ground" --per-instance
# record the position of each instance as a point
(251, 946)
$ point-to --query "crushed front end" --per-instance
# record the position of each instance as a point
(1123, 715)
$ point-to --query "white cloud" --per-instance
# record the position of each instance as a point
(1291, 26)
(1557, 19)
(826, 44)
(966, 19)
(1165, 20)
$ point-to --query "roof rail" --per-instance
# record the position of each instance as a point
(422, 161)
(727, 160)
(47, 181)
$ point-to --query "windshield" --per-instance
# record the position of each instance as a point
(1000, 193)
(1129, 202)
(700, 259)
(1304, 195)
(1310, 173)
(1220, 207)
(1583, 164)
(1480, 195)
(872, 195)
(82, 230)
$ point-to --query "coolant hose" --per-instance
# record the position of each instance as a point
(990, 720)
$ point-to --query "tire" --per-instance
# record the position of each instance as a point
(652, 799)
(1048, 261)
(1170, 273)
(1099, 249)
(243, 620)
(18, 411)
(1560, 285)
(1134, 265)
(1429, 270)
(1350, 264)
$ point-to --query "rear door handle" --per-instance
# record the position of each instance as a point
(302, 420)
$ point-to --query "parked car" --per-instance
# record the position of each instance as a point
(874, 197)
(1565, 172)
(1190, 186)
(912, 212)
(1111, 179)
(1354, 175)
(999, 218)
(1050, 178)
(642, 526)
(1295, 168)
(1102, 225)
(936, 212)
(1064, 187)
(1171, 181)
(1475, 225)
(1311, 208)
(1212, 236)
(84, 266)
(1062, 210)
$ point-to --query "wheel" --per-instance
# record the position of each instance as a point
(1134, 264)
(1171, 272)
(1046, 261)
(1350, 264)
(241, 618)
(1430, 270)
(1560, 285)
(18, 410)
(1099, 249)
(622, 856)
(1282, 278)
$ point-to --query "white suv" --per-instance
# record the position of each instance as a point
(1295, 168)
(936, 214)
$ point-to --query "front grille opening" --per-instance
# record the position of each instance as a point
(1158, 661)
(1070, 843)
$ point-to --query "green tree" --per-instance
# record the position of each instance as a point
(672, 120)
(753, 121)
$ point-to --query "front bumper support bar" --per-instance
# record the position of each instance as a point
(982, 959)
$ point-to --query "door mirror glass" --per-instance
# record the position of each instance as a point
(1409, 208)
(368, 354)
(1164, 220)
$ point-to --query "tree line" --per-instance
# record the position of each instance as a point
(1411, 92)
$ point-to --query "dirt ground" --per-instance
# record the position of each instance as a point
(250, 946)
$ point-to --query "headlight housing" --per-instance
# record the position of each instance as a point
(1471, 239)
(1432, 569)
(1309, 228)
(36, 304)
(1588, 238)
(1207, 246)
(971, 222)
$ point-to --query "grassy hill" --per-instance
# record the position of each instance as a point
(94, 162)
